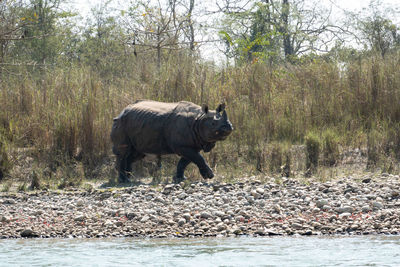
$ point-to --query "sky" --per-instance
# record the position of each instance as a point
(339, 7)
(84, 6)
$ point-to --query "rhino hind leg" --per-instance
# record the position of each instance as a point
(132, 157)
(122, 167)
(180, 170)
(122, 150)
(124, 164)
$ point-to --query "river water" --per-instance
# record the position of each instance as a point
(243, 251)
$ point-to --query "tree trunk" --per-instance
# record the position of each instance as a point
(287, 45)
(158, 48)
(191, 28)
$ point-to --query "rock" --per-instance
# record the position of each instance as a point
(79, 218)
(250, 199)
(345, 209)
(181, 221)
(144, 219)
(326, 207)
(130, 215)
(108, 223)
(377, 205)
(316, 210)
(4, 219)
(9, 201)
(277, 208)
(322, 202)
(168, 189)
(29, 233)
(260, 191)
(159, 199)
(186, 216)
(297, 226)
(344, 215)
(219, 213)
(395, 194)
(182, 196)
(316, 225)
(221, 227)
(80, 202)
(255, 194)
(37, 212)
(366, 208)
(366, 180)
(236, 231)
(205, 215)
(260, 231)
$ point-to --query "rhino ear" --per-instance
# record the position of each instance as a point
(221, 107)
(204, 108)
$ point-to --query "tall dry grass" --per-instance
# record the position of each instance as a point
(65, 114)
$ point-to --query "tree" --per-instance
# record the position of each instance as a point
(376, 30)
(103, 44)
(12, 25)
(163, 27)
(31, 33)
(287, 28)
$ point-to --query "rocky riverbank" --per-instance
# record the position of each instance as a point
(345, 206)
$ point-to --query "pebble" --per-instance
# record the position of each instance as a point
(186, 216)
(181, 221)
(345, 209)
(377, 205)
(260, 191)
(321, 203)
(366, 208)
(80, 203)
(80, 218)
(205, 215)
(28, 233)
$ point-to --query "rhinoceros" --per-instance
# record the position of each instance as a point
(156, 128)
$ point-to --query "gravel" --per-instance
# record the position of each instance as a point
(290, 207)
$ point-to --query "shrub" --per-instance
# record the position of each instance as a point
(5, 164)
(313, 149)
(276, 158)
(373, 148)
(330, 148)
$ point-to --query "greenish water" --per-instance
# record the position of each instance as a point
(244, 251)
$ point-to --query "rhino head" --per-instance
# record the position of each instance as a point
(214, 125)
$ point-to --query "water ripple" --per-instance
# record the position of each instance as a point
(245, 251)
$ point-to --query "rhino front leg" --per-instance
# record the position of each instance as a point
(195, 157)
(180, 169)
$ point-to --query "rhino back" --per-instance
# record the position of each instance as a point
(158, 128)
